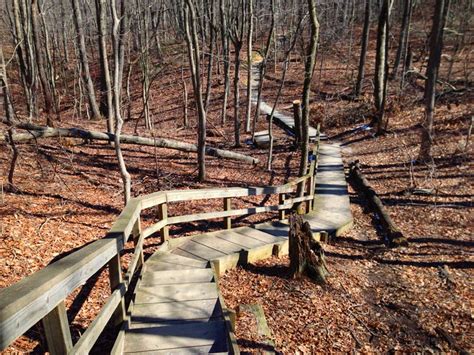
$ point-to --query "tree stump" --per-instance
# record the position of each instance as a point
(306, 254)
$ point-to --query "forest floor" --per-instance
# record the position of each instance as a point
(377, 299)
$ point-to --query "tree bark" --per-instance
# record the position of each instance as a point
(403, 40)
(94, 108)
(226, 57)
(436, 48)
(106, 100)
(195, 64)
(37, 132)
(249, 65)
(306, 254)
(47, 94)
(9, 115)
(363, 49)
(381, 67)
(118, 47)
(308, 76)
(393, 234)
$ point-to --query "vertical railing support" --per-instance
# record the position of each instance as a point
(227, 207)
(163, 215)
(56, 328)
(136, 233)
(116, 279)
(281, 201)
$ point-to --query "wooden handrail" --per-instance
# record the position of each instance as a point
(32, 299)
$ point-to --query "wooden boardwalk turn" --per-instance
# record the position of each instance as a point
(177, 308)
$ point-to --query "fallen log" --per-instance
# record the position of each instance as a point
(393, 234)
(306, 254)
(36, 132)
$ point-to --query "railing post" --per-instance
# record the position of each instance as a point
(281, 201)
(227, 207)
(56, 328)
(309, 205)
(116, 278)
(136, 233)
(163, 214)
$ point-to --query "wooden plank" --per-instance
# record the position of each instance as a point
(167, 257)
(218, 244)
(163, 216)
(176, 293)
(235, 237)
(169, 277)
(201, 251)
(159, 314)
(186, 254)
(198, 337)
(227, 207)
(261, 235)
(56, 328)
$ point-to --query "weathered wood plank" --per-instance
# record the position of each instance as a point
(176, 293)
(218, 244)
(261, 235)
(239, 239)
(56, 328)
(169, 277)
(160, 314)
(276, 229)
(201, 250)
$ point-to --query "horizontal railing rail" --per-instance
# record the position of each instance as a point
(41, 296)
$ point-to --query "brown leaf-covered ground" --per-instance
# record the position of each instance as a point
(377, 299)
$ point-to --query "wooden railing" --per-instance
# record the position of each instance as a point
(41, 296)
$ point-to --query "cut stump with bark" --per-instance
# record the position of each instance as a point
(306, 254)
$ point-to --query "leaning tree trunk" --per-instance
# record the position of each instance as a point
(436, 47)
(306, 254)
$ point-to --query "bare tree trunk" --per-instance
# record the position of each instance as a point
(436, 48)
(403, 40)
(381, 67)
(363, 49)
(9, 113)
(308, 76)
(118, 48)
(94, 108)
(249, 60)
(106, 101)
(47, 94)
(226, 57)
(263, 66)
(195, 64)
(210, 63)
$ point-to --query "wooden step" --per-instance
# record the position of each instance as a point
(176, 293)
(237, 238)
(152, 278)
(261, 235)
(162, 261)
(193, 338)
(199, 250)
(159, 314)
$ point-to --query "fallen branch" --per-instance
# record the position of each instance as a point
(35, 132)
(391, 231)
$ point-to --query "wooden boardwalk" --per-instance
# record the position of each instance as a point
(177, 308)
(286, 122)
